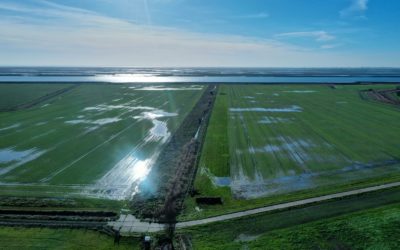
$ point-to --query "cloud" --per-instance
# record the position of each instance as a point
(261, 15)
(357, 8)
(319, 36)
(331, 46)
(58, 35)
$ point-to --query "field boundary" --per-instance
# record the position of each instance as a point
(41, 99)
(286, 205)
(129, 224)
(177, 159)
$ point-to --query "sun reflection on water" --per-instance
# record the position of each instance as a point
(127, 78)
(140, 170)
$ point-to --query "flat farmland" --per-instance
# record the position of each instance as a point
(96, 140)
(13, 95)
(265, 141)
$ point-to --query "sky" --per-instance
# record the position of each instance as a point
(204, 33)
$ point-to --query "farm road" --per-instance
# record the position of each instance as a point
(129, 224)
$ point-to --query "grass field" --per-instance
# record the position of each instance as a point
(45, 238)
(13, 95)
(95, 140)
(370, 221)
(275, 142)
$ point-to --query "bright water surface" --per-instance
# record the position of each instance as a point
(199, 75)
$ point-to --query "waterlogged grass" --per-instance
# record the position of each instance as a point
(361, 222)
(12, 95)
(44, 238)
(287, 142)
(73, 145)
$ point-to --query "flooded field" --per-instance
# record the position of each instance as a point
(96, 140)
(279, 139)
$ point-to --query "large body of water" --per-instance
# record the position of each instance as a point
(200, 75)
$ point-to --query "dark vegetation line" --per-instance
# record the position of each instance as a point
(96, 220)
(387, 96)
(58, 213)
(41, 99)
(172, 175)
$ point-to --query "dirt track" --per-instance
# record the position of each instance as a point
(129, 224)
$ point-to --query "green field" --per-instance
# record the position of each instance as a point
(270, 143)
(16, 94)
(95, 140)
(46, 238)
(366, 222)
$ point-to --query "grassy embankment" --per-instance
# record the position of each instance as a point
(44, 238)
(370, 221)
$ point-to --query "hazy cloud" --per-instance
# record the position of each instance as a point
(331, 46)
(261, 15)
(58, 35)
(357, 8)
(319, 36)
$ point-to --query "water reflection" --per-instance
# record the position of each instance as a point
(123, 78)
(123, 180)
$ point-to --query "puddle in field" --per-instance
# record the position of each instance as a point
(78, 121)
(275, 94)
(11, 127)
(40, 123)
(100, 122)
(294, 148)
(293, 108)
(271, 120)
(222, 181)
(14, 158)
(300, 91)
(45, 105)
(217, 181)
(123, 180)
(245, 188)
(105, 107)
(155, 114)
(248, 97)
(159, 131)
(105, 121)
(163, 88)
(9, 154)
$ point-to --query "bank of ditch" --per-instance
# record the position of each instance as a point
(163, 193)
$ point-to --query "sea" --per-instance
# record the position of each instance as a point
(198, 75)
